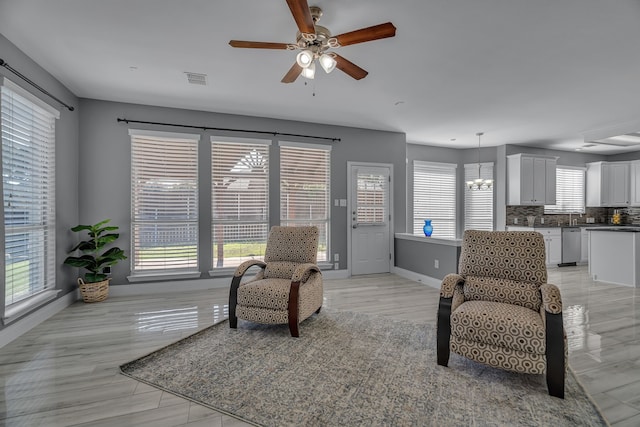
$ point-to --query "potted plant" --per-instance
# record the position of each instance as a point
(95, 286)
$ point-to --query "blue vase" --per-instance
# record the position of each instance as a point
(428, 228)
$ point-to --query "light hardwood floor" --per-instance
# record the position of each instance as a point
(64, 372)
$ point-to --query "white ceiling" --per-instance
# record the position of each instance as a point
(535, 72)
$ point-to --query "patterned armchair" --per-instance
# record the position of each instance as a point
(499, 310)
(287, 289)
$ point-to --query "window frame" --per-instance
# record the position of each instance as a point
(422, 193)
(25, 105)
(326, 221)
(230, 141)
(190, 271)
(479, 197)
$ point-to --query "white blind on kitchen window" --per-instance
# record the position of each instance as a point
(28, 192)
(478, 204)
(164, 202)
(434, 197)
(305, 189)
(239, 200)
(570, 191)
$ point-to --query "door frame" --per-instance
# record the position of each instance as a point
(351, 165)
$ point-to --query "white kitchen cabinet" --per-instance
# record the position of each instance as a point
(608, 184)
(634, 183)
(531, 179)
(584, 245)
(553, 245)
(552, 242)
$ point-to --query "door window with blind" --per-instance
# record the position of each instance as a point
(478, 204)
(239, 200)
(305, 189)
(434, 198)
(164, 202)
(28, 194)
(570, 191)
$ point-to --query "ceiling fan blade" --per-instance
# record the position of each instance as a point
(302, 16)
(257, 45)
(381, 31)
(349, 67)
(292, 74)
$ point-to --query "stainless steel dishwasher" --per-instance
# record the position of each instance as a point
(571, 246)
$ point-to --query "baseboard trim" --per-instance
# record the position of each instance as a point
(417, 277)
(30, 321)
(336, 274)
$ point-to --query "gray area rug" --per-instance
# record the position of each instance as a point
(350, 369)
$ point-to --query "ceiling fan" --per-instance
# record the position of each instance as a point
(315, 41)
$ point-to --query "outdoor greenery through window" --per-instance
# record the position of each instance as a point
(434, 198)
(28, 193)
(164, 202)
(305, 189)
(570, 191)
(239, 200)
(478, 204)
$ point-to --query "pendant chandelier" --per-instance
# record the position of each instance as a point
(479, 183)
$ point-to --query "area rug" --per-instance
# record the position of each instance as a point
(350, 369)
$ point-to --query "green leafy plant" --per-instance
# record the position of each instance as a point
(94, 259)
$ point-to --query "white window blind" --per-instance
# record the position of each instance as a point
(28, 191)
(434, 198)
(164, 202)
(478, 204)
(570, 191)
(305, 189)
(239, 201)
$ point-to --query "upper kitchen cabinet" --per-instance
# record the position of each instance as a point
(531, 179)
(608, 184)
(634, 191)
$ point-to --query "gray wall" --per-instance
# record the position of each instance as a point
(105, 163)
(67, 128)
(420, 257)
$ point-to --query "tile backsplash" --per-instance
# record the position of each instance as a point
(630, 215)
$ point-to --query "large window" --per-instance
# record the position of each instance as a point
(164, 202)
(434, 198)
(478, 204)
(28, 194)
(305, 189)
(570, 191)
(239, 200)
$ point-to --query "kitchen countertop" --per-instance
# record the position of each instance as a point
(631, 229)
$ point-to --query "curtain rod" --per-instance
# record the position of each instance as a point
(262, 132)
(32, 83)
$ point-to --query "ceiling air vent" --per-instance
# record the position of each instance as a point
(196, 78)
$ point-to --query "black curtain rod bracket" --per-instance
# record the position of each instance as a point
(32, 83)
(205, 128)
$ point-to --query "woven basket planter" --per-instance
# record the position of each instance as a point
(94, 292)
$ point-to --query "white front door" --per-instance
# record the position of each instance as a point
(370, 219)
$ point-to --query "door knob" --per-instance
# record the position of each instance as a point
(354, 226)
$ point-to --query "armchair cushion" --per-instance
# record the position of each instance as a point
(524, 294)
(502, 325)
(272, 294)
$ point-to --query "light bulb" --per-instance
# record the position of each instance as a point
(327, 62)
(305, 58)
(310, 71)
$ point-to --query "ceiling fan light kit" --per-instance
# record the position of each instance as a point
(314, 42)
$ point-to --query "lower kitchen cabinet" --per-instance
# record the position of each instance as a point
(584, 248)
(553, 245)
(552, 242)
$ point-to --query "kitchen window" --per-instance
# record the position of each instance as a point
(570, 191)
